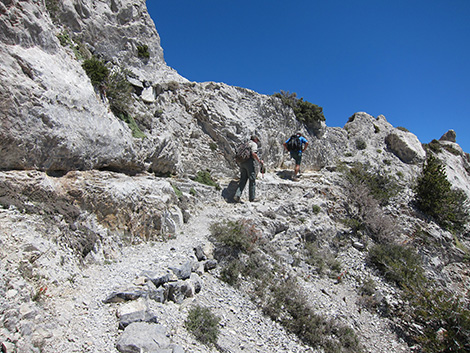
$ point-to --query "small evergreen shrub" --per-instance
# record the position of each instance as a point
(178, 192)
(203, 324)
(445, 320)
(443, 317)
(401, 128)
(119, 91)
(204, 177)
(52, 6)
(398, 264)
(96, 71)
(278, 294)
(434, 196)
(143, 51)
(434, 146)
(307, 113)
(238, 236)
(316, 209)
(361, 144)
(213, 146)
(129, 120)
(452, 150)
(323, 260)
(64, 39)
(288, 306)
(381, 185)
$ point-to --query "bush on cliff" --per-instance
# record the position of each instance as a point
(307, 113)
(434, 196)
(96, 71)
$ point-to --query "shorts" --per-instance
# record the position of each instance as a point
(297, 155)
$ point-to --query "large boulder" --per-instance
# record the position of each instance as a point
(450, 136)
(144, 337)
(405, 146)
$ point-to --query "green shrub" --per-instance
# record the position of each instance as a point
(143, 51)
(381, 185)
(271, 287)
(361, 144)
(129, 120)
(230, 272)
(204, 177)
(96, 71)
(203, 324)
(307, 113)
(291, 309)
(434, 146)
(445, 320)
(316, 209)
(78, 49)
(323, 260)
(398, 264)
(52, 6)
(239, 236)
(434, 196)
(177, 191)
(213, 146)
(401, 128)
(452, 150)
(64, 39)
(119, 91)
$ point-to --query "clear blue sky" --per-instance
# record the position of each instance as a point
(408, 60)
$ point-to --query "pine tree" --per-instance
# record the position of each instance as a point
(435, 197)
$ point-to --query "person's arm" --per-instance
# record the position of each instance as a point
(256, 158)
(305, 146)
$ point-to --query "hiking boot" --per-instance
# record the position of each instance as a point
(236, 199)
(254, 200)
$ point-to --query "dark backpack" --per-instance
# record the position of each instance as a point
(294, 144)
(243, 152)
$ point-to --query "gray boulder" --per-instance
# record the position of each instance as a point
(450, 136)
(144, 337)
(405, 146)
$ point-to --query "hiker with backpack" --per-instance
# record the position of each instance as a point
(296, 145)
(246, 155)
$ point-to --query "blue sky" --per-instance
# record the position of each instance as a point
(408, 60)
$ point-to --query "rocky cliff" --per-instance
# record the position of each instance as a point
(108, 238)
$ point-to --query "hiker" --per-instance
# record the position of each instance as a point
(296, 145)
(248, 172)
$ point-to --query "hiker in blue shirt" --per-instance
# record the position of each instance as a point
(296, 144)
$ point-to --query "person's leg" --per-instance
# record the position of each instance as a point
(241, 183)
(297, 169)
(252, 178)
(298, 159)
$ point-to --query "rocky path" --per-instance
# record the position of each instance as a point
(89, 325)
(75, 318)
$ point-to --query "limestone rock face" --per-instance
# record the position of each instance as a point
(450, 136)
(405, 146)
(51, 117)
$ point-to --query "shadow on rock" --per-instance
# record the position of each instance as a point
(229, 192)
